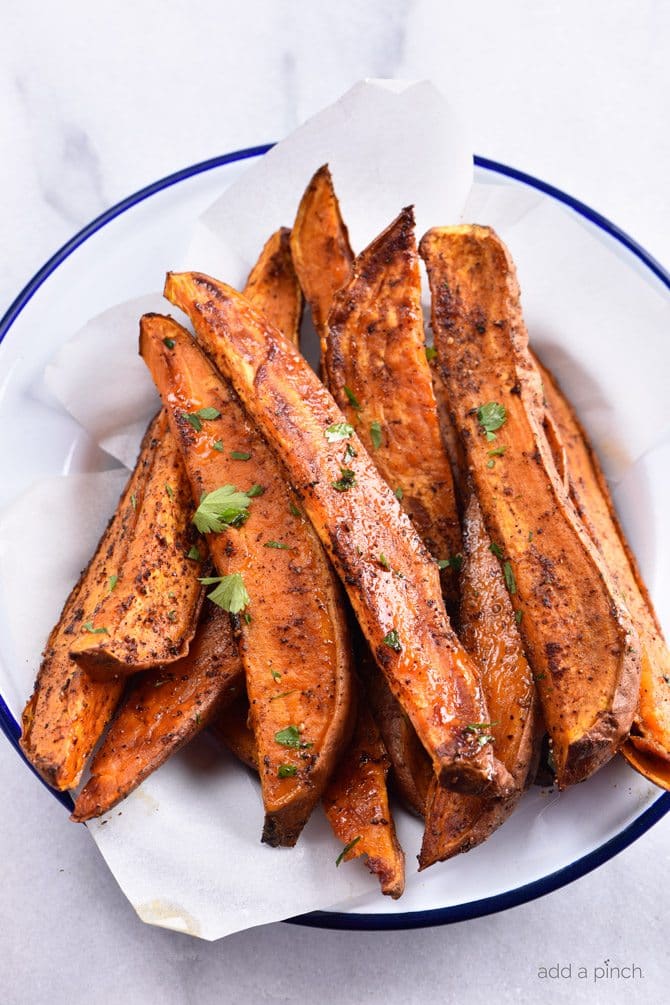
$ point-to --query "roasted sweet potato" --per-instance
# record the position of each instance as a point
(67, 712)
(391, 580)
(320, 247)
(377, 371)
(232, 728)
(648, 747)
(273, 286)
(488, 630)
(149, 615)
(294, 640)
(160, 712)
(578, 635)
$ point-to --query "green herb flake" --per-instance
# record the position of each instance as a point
(530, 535)
(454, 562)
(240, 455)
(88, 627)
(172, 615)
(383, 560)
(347, 848)
(208, 414)
(169, 342)
(508, 573)
(539, 676)
(338, 431)
(286, 771)
(197, 718)
(497, 452)
(230, 593)
(491, 463)
(133, 501)
(194, 554)
(376, 434)
(294, 509)
(170, 491)
(351, 397)
(255, 490)
(224, 507)
(278, 545)
(284, 694)
(193, 420)
(491, 417)
(346, 481)
(518, 615)
(349, 452)
(480, 729)
(392, 641)
(290, 737)
(218, 446)
(275, 674)
(443, 563)
(398, 493)
(496, 550)
(247, 618)
(431, 352)
(113, 580)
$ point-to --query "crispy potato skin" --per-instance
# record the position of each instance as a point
(428, 670)
(151, 614)
(67, 712)
(376, 350)
(320, 247)
(273, 286)
(489, 632)
(160, 712)
(295, 649)
(578, 635)
(648, 747)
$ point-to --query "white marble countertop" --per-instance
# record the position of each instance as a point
(98, 100)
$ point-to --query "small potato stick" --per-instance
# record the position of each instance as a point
(160, 712)
(579, 637)
(320, 247)
(397, 599)
(648, 746)
(273, 576)
(378, 374)
(273, 286)
(67, 712)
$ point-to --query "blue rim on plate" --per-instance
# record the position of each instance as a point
(408, 919)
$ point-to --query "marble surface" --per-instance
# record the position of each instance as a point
(98, 100)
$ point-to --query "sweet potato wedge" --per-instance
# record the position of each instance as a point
(648, 747)
(67, 712)
(294, 640)
(231, 727)
(578, 635)
(377, 372)
(322, 256)
(160, 712)
(273, 286)
(488, 630)
(150, 615)
(397, 598)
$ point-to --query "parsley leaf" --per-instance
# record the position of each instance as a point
(218, 445)
(275, 674)
(383, 560)
(290, 737)
(491, 417)
(169, 490)
(286, 771)
(133, 501)
(497, 451)
(496, 550)
(344, 483)
(113, 580)
(431, 352)
(169, 342)
(230, 594)
(193, 420)
(255, 490)
(222, 507)
(454, 562)
(194, 554)
(347, 848)
(240, 455)
(398, 493)
(277, 544)
(392, 641)
(208, 413)
(172, 615)
(338, 431)
(518, 616)
(88, 627)
(376, 434)
(480, 729)
(353, 400)
(508, 573)
(294, 509)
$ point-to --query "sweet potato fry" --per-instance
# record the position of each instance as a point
(377, 371)
(294, 639)
(578, 636)
(456, 823)
(160, 712)
(648, 747)
(67, 712)
(273, 286)
(320, 247)
(391, 580)
(150, 614)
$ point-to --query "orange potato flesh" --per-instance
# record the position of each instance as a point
(160, 712)
(150, 616)
(648, 747)
(489, 632)
(295, 645)
(376, 355)
(577, 633)
(67, 712)
(273, 286)
(320, 247)
(358, 518)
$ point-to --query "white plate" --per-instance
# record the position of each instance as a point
(551, 839)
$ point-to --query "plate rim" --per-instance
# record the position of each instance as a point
(408, 919)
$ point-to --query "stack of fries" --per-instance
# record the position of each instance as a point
(412, 566)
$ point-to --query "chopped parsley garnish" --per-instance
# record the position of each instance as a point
(496, 550)
(392, 641)
(376, 434)
(518, 616)
(170, 491)
(346, 481)
(286, 771)
(255, 490)
(347, 848)
(510, 581)
(277, 544)
(284, 694)
(194, 554)
(197, 718)
(247, 618)
(88, 627)
(275, 674)
(383, 560)
(113, 580)
(530, 535)
(169, 342)
(290, 737)
(398, 493)
(454, 562)
(349, 452)
(240, 455)
(353, 400)
(491, 417)
(218, 445)
(133, 501)
(294, 509)
(338, 431)
(230, 592)
(172, 615)
(224, 507)
(497, 452)
(195, 418)
(479, 728)
(431, 352)
(491, 463)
